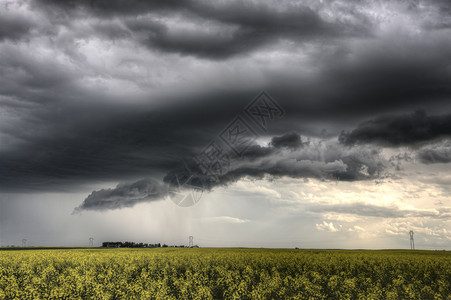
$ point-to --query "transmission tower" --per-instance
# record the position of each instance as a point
(24, 242)
(191, 241)
(91, 242)
(412, 243)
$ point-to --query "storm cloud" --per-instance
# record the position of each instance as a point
(212, 30)
(289, 140)
(437, 153)
(13, 27)
(124, 195)
(319, 160)
(95, 91)
(403, 130)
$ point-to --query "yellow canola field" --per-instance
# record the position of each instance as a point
(218, 273)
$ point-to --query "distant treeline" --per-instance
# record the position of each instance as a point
(129, 245)
(137, 245)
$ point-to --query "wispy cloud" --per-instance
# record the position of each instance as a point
(225, 219)
(328, 226)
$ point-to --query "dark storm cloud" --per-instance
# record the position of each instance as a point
(326, 161)
(354, 81)
(64, 145)
(124, 195)
(87, 146)
(438, 153)
(289, 140)
(240, 27)
(13, 27)
(256, 27)
(356, 85)
(386, 81)
(34, 80)
(330, 162)
(107, 9)
(63, 130)
(400, 130)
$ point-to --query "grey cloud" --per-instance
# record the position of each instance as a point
(292, 141)
(253, 24)
(124, 195)
(323, 161)
(13, 27)
(28, 79)
(290, 167)
(65, 134)
(105, 8)
(111, 30)
(257, 27)
(329, 162)
(438, 153)
(380, 77)
(370, 210)
(74, 143)
(397, 160)
(399, 130)
(289, 140)
(63, 145)
(87, 146)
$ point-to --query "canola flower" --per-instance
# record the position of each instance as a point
(181, 273)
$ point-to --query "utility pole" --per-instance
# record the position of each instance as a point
(412, 243)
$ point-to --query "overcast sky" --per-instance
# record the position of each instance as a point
(106, 107)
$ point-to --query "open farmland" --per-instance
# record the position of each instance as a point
(212, 273)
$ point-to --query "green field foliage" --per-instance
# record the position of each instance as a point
(218, 273)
